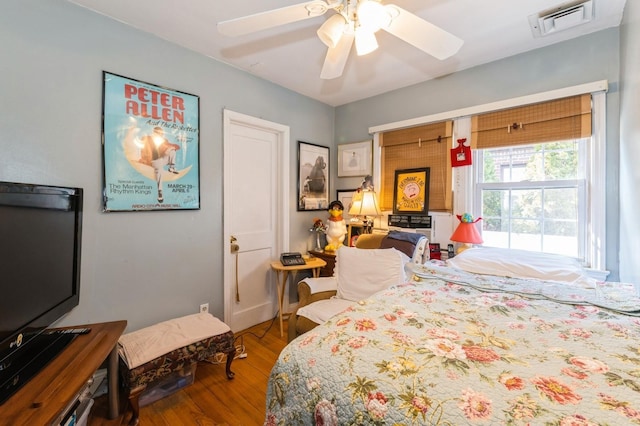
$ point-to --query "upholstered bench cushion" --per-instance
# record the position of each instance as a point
(176, 360)
(146, 344)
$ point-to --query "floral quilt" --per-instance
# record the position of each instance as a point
(451, 348)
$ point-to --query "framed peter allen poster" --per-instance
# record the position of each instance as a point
(411, 191)
(151, 143)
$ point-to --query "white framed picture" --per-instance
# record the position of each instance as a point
(345, 196)
(355, 159)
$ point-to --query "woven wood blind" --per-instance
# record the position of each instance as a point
(415, 147)
(561, 119)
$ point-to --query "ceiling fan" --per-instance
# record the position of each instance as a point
(357, 20)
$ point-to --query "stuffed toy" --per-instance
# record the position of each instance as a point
(336, 227)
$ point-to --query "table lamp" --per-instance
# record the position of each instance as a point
(364, 204)
(466, 232)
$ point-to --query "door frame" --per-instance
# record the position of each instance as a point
(231, 119)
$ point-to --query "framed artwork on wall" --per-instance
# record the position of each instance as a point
(150, 146)
(313, 177)
(345, 196)
(355, 159)
(411, 191)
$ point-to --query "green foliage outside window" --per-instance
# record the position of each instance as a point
(536, 210)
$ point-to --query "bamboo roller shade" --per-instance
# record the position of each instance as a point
(561, 119)
(418, 147)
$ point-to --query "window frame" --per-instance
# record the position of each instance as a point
(579, 183)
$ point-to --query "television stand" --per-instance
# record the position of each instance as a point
(53, 391)
(32, 358)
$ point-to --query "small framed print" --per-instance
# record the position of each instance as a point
(355, 159)
(313, 177)
(345, 196)
(411, 191)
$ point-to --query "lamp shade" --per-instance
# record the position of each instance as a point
(366, 41)
(466, 232)
(365, 203)
(372, 15)
(331, 31)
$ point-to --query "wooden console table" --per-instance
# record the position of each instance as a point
(46, 397)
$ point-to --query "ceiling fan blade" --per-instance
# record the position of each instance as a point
(273, 18)
(425, 36)
(337, 57)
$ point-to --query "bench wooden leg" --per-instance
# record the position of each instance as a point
(230, 356)
(134, 402)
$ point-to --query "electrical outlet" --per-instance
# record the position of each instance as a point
(204, 307)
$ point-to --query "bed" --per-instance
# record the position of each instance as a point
(453, 346)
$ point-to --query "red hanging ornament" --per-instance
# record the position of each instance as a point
(461, 154)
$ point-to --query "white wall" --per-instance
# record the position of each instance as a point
(142, 266)
(630, 144)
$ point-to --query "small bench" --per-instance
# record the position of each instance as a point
(136, 376)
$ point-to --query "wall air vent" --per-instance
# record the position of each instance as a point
(561, 18)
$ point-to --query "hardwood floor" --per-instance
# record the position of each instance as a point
(213, 399)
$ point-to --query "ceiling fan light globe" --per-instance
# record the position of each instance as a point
(373, 15)
(316, 8)
(331, 31)
(366, 41)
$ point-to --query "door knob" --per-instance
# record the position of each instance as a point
(234, 247)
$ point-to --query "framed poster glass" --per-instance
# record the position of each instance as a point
(151, 144)
(411, 191)
(313, 177)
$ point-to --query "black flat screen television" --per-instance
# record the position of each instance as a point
(40, 245)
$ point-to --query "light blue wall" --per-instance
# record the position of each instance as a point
(145, 266)
(589, 58)
(150, 266)
(630, 144)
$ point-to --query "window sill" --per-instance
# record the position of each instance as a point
(597, 274)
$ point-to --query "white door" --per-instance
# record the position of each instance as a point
(256, 216)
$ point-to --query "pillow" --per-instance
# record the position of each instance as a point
(362, 272)
(407, 247)
(522, 264)
(412, 237)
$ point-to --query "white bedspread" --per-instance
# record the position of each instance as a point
(146, 344)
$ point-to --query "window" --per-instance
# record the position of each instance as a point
(576, 114)
(532, 197)
(534, 173)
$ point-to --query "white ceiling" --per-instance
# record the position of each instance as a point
(292, 55)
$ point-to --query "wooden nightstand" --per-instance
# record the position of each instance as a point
(330, 258)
